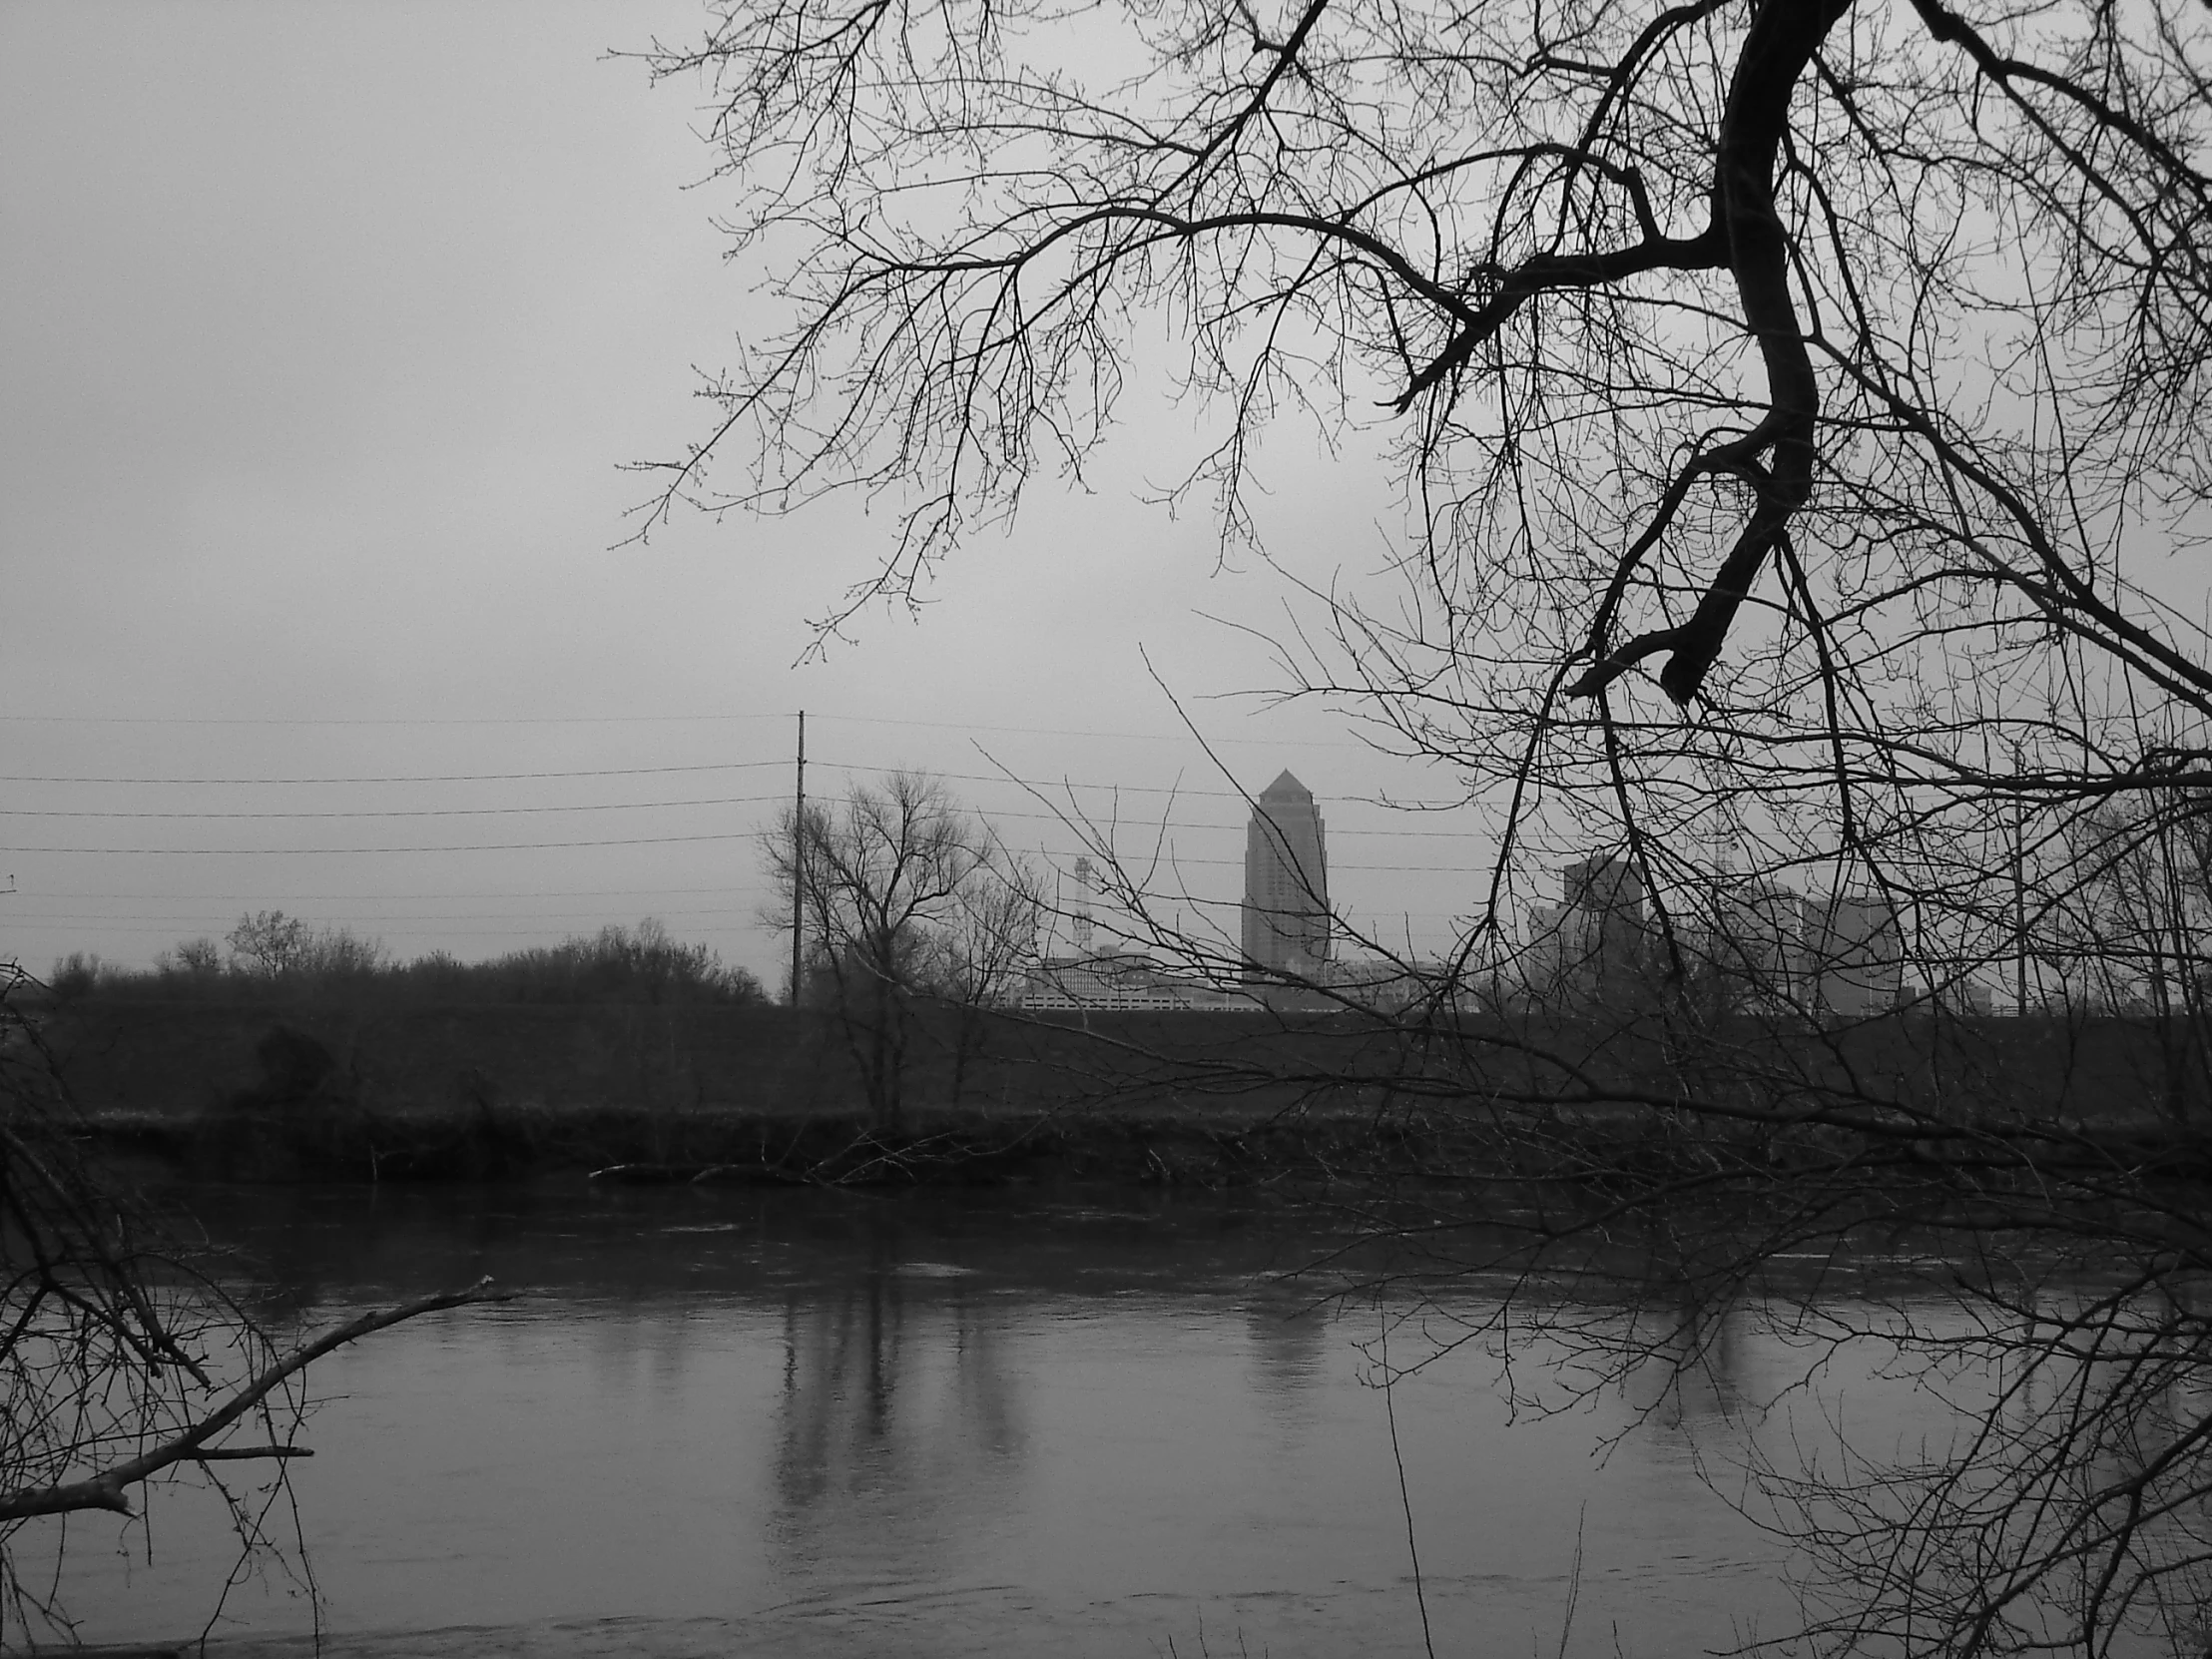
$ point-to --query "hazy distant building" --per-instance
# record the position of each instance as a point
(1391, 985)
(1857, 955)
(1757, 940)
(1591, 947)
(1114, 980)
(1759, 946)
(1542, 962)
(1606, 887)
(1109, 979)
(1285, 896)
(1601, 926)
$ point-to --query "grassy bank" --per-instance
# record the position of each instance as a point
(764, 1094)
(624, 1145)
(1309, 1149)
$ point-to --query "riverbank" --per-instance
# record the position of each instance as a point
(1299, 1152)
(768, 1095)
(626, 1147)
(181, 1059)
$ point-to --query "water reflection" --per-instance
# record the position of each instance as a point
(807, 1422)
(898, 1426)
(1689, 1369)
(1292, 1338)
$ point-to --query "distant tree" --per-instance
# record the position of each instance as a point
(908, 900)
(200, 959)
(338, 954)
(76, 975)
(979, 950)
(267, 942)
(649, 962)
(273, 955)
(645, 963)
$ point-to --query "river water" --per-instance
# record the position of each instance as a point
(735, 1422)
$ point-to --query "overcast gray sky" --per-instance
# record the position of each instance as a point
(324, 333)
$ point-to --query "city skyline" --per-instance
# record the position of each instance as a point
(320, 602)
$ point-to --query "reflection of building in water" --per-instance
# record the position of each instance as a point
(900, 1423)
(1694, 1366)
(1290, 1344)
(1285, 896)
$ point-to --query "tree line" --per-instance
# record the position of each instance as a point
(271, 957)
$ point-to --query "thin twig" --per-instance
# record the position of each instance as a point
(1405, 1498)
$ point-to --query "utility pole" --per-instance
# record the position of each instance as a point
(799, 862)
(2019, 902)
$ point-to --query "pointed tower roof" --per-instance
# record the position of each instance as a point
(1286, 788)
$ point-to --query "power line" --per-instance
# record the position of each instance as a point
(411, 778)
(538, 923)
(634, 841)
(1233, 828)
(435, 930)
(403, 721)
(1032, 783)
(404, 811)
(1048, 785)
(396, 720)
(1073, 820)
(411, 932)
(352, 851)
(223, 914)
(367, 897)
(1120, 737)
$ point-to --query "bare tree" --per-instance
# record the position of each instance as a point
(200, 959)
(124, 1364)
(1797, 408)
(908, 903)
(269, 943)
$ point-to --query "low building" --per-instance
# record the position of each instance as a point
(1117, 980)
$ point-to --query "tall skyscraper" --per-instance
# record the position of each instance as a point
(1285, 896)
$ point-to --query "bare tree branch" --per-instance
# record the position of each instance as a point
(106, 1490)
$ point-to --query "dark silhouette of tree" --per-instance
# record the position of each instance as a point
(1799, 406)
(643, 963)
(124, 1361)
(909, 902)
(267, 942)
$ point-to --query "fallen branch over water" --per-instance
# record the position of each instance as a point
(106, 1490)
